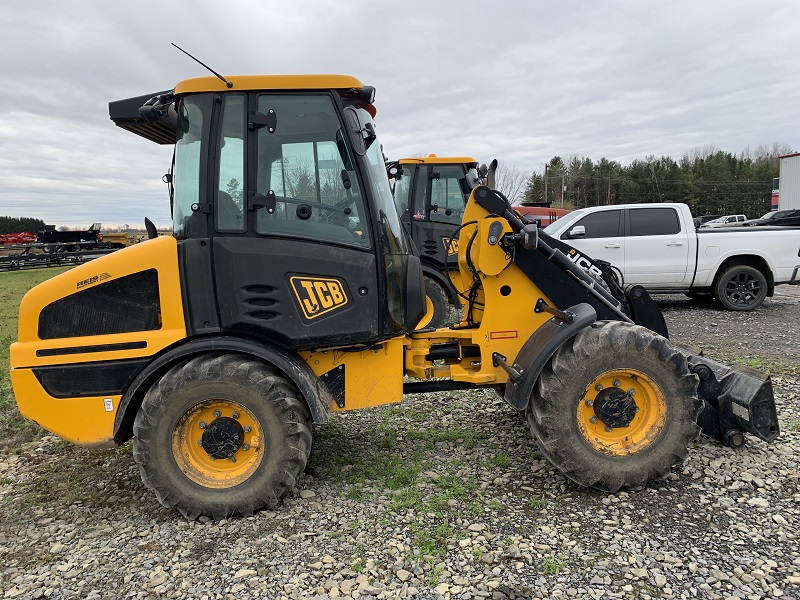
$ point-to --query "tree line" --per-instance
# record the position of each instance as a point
(709, 180)
(20, 224)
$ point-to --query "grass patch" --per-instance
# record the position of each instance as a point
(773, 366)
(501, 460)
(553, 566)
(466, 437)
(15, 429)
(537, 503)
(794, 425)
(341, 457)
(431, 542)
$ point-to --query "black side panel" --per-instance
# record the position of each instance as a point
(297, 293)
(84, 380)
(122, 305)
(197, 287)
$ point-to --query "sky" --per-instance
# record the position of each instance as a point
(520, 81)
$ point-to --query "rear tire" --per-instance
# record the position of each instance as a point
(437, 306)
(741, 288)
(592, 429)
(220, 435)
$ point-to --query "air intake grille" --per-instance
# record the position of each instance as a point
(122, 305)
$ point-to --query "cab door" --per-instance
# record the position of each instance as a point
(292, 251)
(441, 193)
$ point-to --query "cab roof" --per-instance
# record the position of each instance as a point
(125, 113)
(267, 82)
(432, 159)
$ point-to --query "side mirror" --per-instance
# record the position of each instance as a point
(354, 131)
(577, 231)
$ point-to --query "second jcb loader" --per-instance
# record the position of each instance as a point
(288, 292)
(430, 194)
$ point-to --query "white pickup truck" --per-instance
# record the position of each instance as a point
(657, 246)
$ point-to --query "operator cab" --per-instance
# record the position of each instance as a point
(283, 211)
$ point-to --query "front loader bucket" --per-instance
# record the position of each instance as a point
(737, 400)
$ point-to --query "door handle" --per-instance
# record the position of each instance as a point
(612, 245)
(674, 243)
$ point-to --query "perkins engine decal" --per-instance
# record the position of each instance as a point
(318, 295)
(583, 262)
(93, 279)
(450, 245)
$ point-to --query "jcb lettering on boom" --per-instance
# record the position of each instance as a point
(318, 296)
(583, 262)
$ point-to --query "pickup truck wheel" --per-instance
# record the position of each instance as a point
(615, 407)
(220, 435)
(741, 288)
(437, 306)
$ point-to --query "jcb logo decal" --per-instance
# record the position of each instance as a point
(450, 245)
(583, 262)
(317, 295)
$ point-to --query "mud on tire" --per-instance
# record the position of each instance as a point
(253, 419)
(593, 429)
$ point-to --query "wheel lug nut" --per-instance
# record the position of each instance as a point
(217, 414)
(631, 392)
(598, 387)
(245, 446)
(232, 459)
(211, 457)
(615, 383)
(593, 419)
(200, 443)
(608, 428)
(235, 415)
(247, 429)
(589, 402)
(203, 424)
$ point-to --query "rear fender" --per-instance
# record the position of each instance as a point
(317, 398)
(538, 350)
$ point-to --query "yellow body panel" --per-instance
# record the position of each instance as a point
(82, 421)
(89, 421)
(160, 254)
(268, 82)
(372, 377)
(502, 309)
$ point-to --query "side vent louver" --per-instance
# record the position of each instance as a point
(260, 302)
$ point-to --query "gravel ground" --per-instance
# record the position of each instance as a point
(443, 496)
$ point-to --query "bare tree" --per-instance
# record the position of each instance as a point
(511, 181)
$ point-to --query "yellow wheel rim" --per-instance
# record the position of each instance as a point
(428, 317)
(621, 412)
(232, 433)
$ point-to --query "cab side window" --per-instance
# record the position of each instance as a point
(654, 221)
(306, 165)
(230, 213)
(602, 224)
(449, 194)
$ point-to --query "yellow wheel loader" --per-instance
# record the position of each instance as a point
(288, 292)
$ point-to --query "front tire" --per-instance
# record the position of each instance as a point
(437, 306)
(741, 288)
(615, 407)
(220, 435)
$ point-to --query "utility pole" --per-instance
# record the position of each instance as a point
(545, 182)
(563, 189)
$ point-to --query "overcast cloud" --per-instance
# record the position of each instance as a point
(518, 81)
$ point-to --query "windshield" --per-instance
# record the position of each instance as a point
(193, 121)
